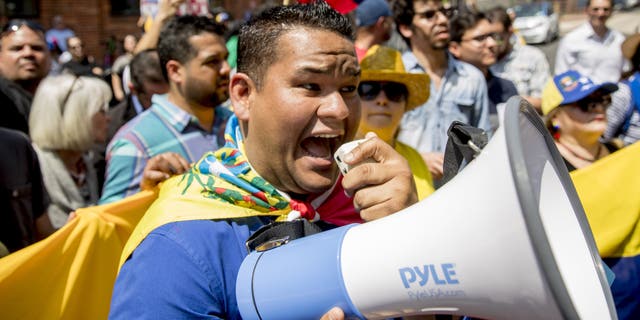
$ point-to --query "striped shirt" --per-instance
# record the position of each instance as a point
(162, 128)
(621, 103)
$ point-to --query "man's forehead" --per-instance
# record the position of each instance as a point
(427, 3)
(326, 53)
(198, 41)
(600, 4)
(22, 34)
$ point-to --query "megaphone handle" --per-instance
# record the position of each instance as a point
(465, 143)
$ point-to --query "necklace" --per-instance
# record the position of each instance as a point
(596, 157)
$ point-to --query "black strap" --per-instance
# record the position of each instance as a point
(278, 233)
(465, 143)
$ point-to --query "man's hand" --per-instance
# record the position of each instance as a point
(435, 162)
(333, 314)
(382, 187)
(161, 167)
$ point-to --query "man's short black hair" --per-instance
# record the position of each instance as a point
(145, 68)
(499, 14)
(257, 41)
(174, 43)
(14, 24)
(403, 15)
(463, 22)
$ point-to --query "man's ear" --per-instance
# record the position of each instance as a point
(174, 71)
(405, 31)
(454, 48)
(242, 92)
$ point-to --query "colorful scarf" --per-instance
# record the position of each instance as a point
(221, 185)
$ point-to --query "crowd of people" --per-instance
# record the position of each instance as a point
(245, 146)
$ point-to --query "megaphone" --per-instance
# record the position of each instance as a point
(505, 238)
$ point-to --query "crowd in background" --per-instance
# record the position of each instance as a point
(77, 133)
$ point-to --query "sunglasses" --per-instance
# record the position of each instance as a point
(591, 103)
(66, 97)
(429, 14)
(15, 24)
(396, 92)
(498, 37)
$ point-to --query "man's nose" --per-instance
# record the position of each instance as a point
(28, 51)
(225, 69)
(334, 106)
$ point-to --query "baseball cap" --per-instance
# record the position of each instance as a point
(569, 87)
(369, 11)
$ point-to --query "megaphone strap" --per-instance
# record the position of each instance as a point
(278, 233)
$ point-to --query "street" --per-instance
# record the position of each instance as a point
(627, 22)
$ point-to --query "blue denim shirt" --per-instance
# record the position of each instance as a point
(462, 96)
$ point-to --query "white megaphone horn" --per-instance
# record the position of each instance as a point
(506, 238)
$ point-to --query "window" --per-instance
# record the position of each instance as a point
(125, 7)
(20, 8)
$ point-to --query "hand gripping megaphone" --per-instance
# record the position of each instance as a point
(506, 238)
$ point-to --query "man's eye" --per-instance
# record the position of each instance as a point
(348, 89)
(311, 86)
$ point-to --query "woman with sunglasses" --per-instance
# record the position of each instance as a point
(68, 115)
(387, 91)
(575, 112)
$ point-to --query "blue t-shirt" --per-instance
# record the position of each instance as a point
(184, 270)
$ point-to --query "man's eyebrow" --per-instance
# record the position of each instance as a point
(313, 69)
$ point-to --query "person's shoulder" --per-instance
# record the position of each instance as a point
(531, 51)
(146, 118)
(206, 240)
(467, 70)
(14, 136)
(578, 34)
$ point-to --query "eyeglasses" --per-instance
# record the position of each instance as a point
(15, 24)
(497, 37)
(591, 103)
(429, 14)
(396, 92)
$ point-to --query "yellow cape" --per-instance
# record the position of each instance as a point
(70, 274)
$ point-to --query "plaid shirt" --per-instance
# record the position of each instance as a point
(162, 128)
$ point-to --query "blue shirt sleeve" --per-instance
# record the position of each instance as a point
(183, 270)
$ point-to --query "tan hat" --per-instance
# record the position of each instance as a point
(385, 64)
(630, 45)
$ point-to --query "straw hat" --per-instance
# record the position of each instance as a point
(385, 64)
(630, 45)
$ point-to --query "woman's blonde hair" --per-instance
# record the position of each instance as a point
(62, 109)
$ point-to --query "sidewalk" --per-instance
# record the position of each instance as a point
(627, 22)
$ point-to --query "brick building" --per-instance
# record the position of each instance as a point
(101, 24)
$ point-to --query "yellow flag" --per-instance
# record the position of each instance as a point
(609, 191)
(70, 274)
